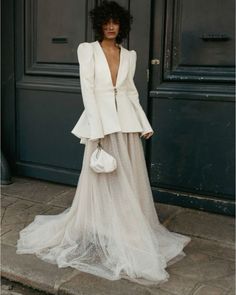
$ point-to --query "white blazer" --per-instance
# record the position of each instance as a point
(108, 109)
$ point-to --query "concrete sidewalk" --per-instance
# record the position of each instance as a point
(207, 269)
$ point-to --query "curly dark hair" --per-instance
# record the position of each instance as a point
(107, 10)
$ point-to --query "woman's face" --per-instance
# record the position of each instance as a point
(111, 29)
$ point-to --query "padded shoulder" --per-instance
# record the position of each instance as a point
(85, 52)
(133, 55)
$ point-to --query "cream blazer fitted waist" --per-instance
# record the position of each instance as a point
(108, 108)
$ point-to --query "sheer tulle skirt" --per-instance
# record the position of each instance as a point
(111, 228)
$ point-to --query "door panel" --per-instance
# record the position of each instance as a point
(192, 96)
(189, 154)
(52, 33)
(48, 96)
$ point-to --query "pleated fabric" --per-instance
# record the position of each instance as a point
(111, 229)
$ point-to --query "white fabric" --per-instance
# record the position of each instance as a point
(100, 116)
(111, 229)
(102, 162)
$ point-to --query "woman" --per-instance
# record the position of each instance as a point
(111, 229)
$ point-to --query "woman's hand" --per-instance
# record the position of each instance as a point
(147, 135)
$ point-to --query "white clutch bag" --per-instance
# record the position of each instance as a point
(101, 161)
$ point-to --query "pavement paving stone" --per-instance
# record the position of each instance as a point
(210, 248)
(179, 285)
(7, 200)
(223, 285)
(33, 272)
(13, 288)
(166, 212)
(92, 285)
(208, 290)
(206, 225)
(199, 266)
(63, 200)
(34, 189)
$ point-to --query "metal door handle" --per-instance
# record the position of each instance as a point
(155, 61)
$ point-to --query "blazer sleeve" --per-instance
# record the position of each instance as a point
(134, 96)
(86, 71)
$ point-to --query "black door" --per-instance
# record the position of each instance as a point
(48, 96)
(47, 101)
(192, 97)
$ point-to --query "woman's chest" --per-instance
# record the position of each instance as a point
(111, 70)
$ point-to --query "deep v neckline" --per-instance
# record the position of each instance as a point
(107, 64)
